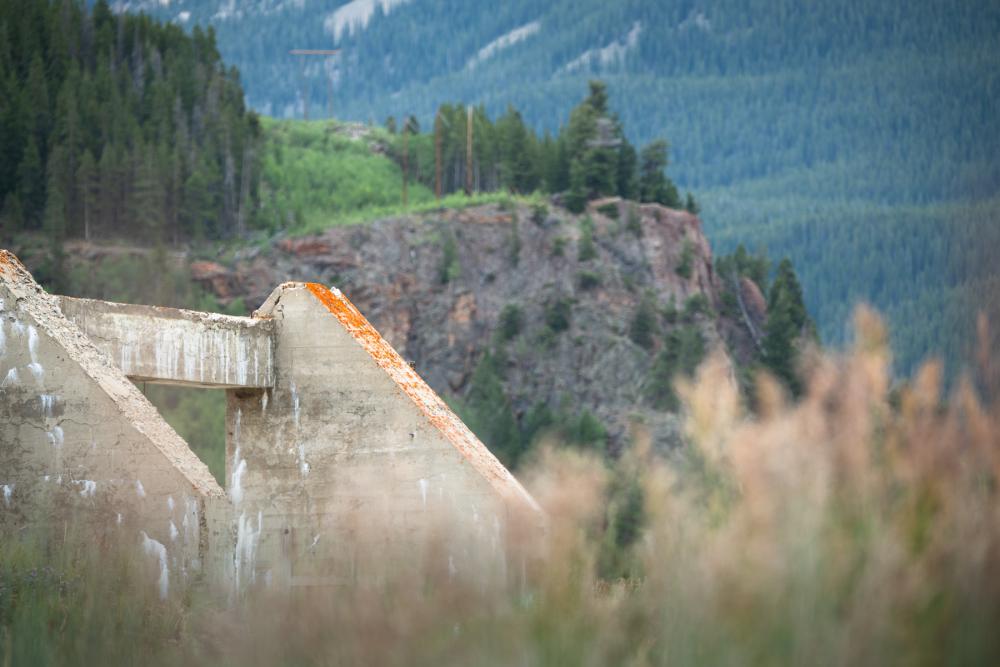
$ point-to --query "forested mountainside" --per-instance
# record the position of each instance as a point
(853, 136)
(127, 187)
(118, 126)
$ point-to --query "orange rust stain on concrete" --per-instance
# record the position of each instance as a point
(434, 409)
(9, 262)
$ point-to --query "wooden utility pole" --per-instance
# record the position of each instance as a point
(468, 151)
(406, 158)
(325, 53)
(437, 154)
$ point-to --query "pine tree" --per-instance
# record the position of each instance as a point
(31, 177)
(654, 186)
(88, 187)
(788, 325)
(54, 222)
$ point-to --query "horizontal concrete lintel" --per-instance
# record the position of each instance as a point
(183, 347)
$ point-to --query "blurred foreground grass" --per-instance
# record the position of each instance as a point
(858, 526)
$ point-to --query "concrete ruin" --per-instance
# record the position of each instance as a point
(342, 465)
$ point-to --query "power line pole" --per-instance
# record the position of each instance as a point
(437, 154)
(326, 54)
(468, 151)
(406, 158)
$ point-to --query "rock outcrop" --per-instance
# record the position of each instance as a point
(436, 285)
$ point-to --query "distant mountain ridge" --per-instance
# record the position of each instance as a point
(821, 131)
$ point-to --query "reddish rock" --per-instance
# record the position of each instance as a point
(305, 247)
(216, 278)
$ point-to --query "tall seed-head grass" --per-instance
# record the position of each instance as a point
(859, 525)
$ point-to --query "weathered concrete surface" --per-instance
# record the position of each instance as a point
(352, 467)
(75, 433)
(343, 466)
(178, 346)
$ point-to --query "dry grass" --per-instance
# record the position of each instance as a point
(858, 526)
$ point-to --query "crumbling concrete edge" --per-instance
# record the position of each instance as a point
(426, 400)
(134, 407)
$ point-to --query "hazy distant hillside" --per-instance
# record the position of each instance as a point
(850, 135)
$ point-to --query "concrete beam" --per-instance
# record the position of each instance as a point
(172, 346)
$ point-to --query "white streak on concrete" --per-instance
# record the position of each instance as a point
(8, 491)
(173, 532)
(296, 414)
(170, 503)
(38, 373)
(11, 378)
(56, 436)
(423, 491)
(33, 343)
(48, 402)
(239, 465)
(157, 550)
(246, 546)
(141, 492)
(89, 488)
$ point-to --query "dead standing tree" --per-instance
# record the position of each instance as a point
(326, 54)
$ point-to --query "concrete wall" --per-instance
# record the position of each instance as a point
(351, 467)
(82, 449)
(343, 466)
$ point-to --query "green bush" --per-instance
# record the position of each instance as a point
(511, 322)
(559, 246)
(514, 243)
(696, 304)
(558, 313)
(587, 280)
(643, 328)
(448, 268)
(609, 210)
(687, 260)
(584, 430)
(670, 313)
(539, 214)
(634, 222)
(586, 250)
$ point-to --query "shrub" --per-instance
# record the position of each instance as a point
(558, 313)
(449, 268)
(633, 222)
(539, 214)
(670, 311)
(696, 304)
(511, 322)
(687, 260)
(642, 329)
(559, 246)
(586, 250)
(514, 244)
(584, 430)
(587, 280)
(610, 210)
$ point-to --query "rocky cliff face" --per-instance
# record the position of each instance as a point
(564, 289)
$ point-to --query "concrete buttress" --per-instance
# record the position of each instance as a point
(342, 466)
